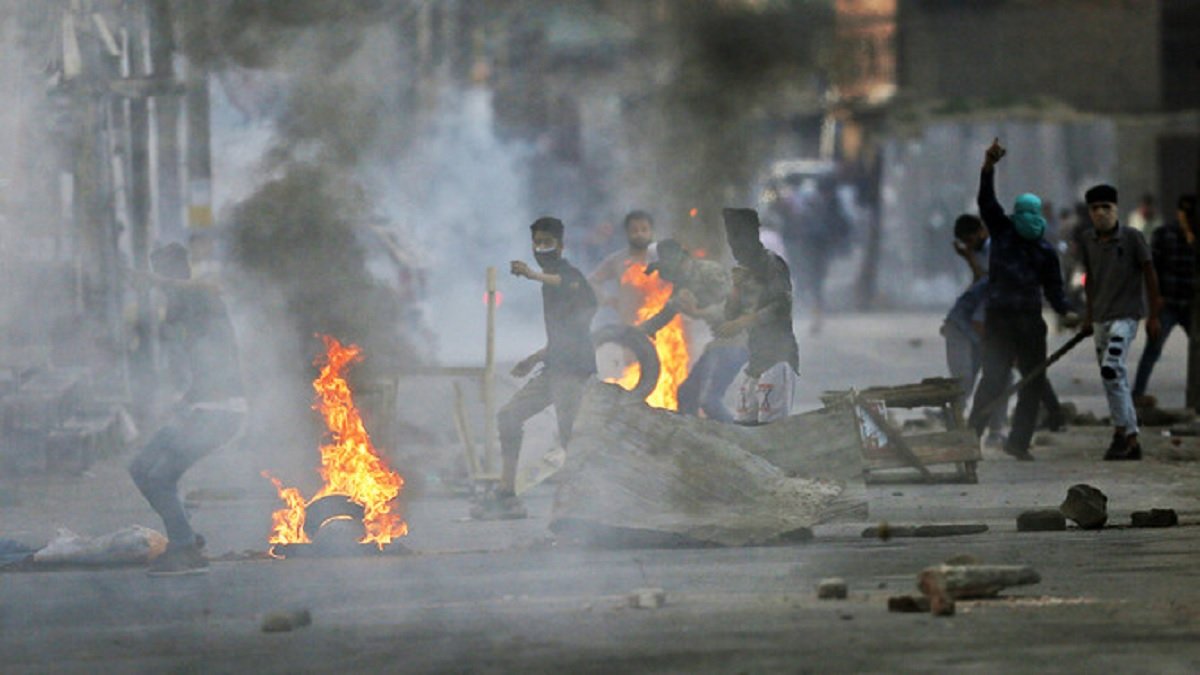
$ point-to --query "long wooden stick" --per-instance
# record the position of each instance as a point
(1029, 377)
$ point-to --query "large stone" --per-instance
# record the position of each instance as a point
(1041, 520)
(1085, 505)
(1155, 518)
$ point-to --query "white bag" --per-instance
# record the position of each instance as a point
(131, 544)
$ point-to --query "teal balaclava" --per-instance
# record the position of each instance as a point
(1027, 217)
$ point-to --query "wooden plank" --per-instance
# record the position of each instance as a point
(943, 447)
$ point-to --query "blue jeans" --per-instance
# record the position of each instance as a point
(188, 437)
(1169, 318)
(704, 389)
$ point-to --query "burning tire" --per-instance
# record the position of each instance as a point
(642, 348)
(328, 509)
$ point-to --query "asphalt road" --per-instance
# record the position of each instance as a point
(506, 597)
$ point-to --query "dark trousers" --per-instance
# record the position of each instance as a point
(1169, 318)
(1020, 337)
(188, 437)
(562, 390)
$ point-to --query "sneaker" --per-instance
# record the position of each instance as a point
(499, 507)
(1021, 454)
(179, 562)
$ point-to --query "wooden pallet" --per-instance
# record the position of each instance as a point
(885, 447)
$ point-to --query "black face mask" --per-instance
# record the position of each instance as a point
(547, 259)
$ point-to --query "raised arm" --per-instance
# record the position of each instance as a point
(989, 208)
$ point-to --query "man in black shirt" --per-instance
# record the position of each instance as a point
(767, 385)
(209, 414)
(569, 359)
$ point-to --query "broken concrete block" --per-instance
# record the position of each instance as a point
(282, 622)
(1041, 520)
(833, 588)
(647, 598)
(1085, 505)
(885, 531)
(1155, 518)
(973, 581)
(908, 603)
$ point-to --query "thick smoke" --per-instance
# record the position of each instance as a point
(702, 132)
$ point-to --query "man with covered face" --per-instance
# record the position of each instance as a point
(1120, 278)
(1021, 267)
(700, 289)
(568, 361)
(766, 385)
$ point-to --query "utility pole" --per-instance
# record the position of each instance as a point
(144, 355)
(1193, 362)
(166, 111)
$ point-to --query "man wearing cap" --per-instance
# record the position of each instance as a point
(1173, 247)
(1120, 279)
(701, 290)
(569, 360)
(1021, 267)
(767, 384)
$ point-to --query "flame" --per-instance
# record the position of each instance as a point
(349, 463)
(670, 342)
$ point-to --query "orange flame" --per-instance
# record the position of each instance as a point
(670, 342)
(349, 463)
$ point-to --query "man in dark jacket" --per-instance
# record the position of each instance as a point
(1022, 265)
(568, 359)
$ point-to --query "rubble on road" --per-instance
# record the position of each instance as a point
(1155, 518)
(647, 598)
(908, 603)
(833, 588)
(886, 531)
(973, 581)
(283, 622)
(1041, 520)
(1086, 505)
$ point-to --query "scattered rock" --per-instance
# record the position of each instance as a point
(885, 531)
(973, 581)
(1155, 518)
(833, 588)
(908, 603)
(1085, 505)
(282, 622)
(647, 598)
(1041, 520)
(941, 605)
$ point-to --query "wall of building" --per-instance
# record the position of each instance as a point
(1096, 55)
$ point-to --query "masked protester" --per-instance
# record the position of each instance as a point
(568, 360)
(766, 386)
(1120, 278)
(1022, 266)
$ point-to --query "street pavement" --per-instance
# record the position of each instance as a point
(509, 597)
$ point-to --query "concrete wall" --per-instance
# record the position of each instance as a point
(1096, 55)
